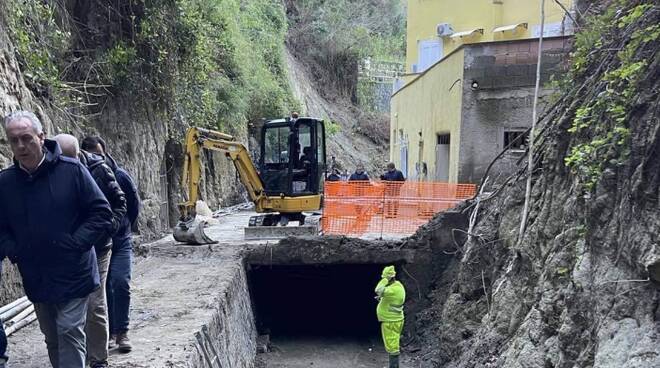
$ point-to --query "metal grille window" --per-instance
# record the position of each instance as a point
(518, 139)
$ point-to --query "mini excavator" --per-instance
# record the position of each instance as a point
(287, 186)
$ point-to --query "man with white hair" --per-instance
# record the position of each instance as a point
(51, 215)
(97, 326)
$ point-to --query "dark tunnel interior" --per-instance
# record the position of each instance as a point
(318, 300)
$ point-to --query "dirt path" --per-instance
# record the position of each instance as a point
(172, 297)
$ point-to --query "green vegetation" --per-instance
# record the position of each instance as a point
(339, 34)
(374, 28)
(215, 63)
(332, 128)
(601, 124)
(39, 43)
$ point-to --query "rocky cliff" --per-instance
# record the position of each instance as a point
(581, 287)
(139, 75)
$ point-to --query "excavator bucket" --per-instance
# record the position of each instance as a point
(192, 232)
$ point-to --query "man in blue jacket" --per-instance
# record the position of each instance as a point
(52, 214)
(119, 276)
(393, 179)
(359, 174)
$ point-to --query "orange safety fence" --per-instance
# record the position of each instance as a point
(386, 207)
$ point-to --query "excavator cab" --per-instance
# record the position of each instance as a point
(292, 162)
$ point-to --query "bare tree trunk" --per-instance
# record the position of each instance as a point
(530, 161)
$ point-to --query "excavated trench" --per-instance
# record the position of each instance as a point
(303, 302)
(313, 300)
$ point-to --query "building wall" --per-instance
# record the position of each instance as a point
(443, 100)
(506, 74)
(424, 15)
(430, 105)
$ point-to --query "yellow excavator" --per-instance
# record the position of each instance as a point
(287, 184)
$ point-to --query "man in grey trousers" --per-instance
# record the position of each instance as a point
(97, 327)
(51, 215)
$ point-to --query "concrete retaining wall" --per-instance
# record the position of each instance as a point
(231, 334)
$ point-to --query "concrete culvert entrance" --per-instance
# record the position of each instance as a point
(317, 314)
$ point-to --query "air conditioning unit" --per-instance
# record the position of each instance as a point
(444, 30)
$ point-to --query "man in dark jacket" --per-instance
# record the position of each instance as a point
(359, 174)
(392, 174)
(51, 215)
(119, 276)
(97, 327)
(393, 181)
(334, 176)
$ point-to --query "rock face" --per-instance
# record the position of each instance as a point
(140, 135)
(580, 289)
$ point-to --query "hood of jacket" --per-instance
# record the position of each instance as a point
(52, 152)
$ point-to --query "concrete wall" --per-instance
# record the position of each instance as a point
(506, 74)
(430, 105)
(424, 15)
(232, 330)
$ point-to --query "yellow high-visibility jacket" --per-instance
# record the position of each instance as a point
(392, 297)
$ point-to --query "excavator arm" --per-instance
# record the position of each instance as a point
(198, 139)
(189, 229)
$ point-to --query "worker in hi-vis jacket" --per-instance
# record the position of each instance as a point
(391, 295)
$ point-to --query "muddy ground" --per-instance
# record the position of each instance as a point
(323, 352)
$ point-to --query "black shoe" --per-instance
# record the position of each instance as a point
(394, 361)
(123, 343)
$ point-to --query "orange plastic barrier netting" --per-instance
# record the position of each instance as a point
(359, 208)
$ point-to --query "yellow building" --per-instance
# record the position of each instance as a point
(465, 60)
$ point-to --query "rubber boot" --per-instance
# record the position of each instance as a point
(394, 361)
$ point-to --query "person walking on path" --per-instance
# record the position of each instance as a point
(119, 276)
(52, 214)
(97, 328)
(391, 296)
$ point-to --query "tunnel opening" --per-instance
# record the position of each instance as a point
(329, 300)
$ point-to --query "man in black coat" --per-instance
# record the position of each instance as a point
(51, 215)
(119, 275)
(359, 174)
(97, 326)
(393, 179)
(392, 174)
